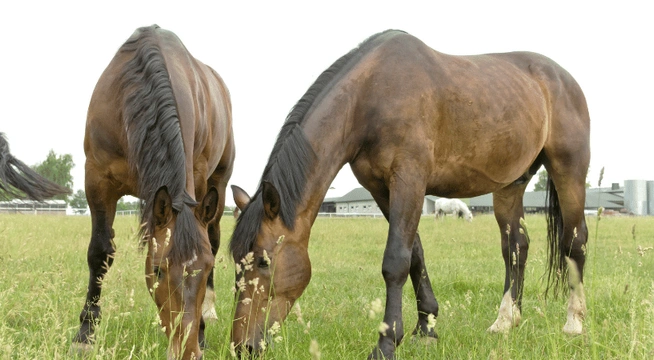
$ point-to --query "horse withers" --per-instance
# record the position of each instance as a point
(159, 127)
(412, 121)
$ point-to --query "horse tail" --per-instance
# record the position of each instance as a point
(18, 180)
(555, 265)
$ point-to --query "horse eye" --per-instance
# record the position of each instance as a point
(263, 263)
(157, 271)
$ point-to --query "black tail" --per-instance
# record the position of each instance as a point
(556, 266)
(18, 180)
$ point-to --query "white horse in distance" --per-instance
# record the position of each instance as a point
(456, 207)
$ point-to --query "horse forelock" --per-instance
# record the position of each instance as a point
(155, 145)
(292, 157)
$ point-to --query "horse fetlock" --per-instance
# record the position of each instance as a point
(382, 352)
(576, 311)
(508, 317)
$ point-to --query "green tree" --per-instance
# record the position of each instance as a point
(78, 200)
(541, 184)
(123, 205)
(56, 168)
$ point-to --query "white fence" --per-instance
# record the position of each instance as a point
(351, 215)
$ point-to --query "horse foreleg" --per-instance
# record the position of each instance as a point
(515, 245)
(404, 215)
(425, 299)
(208, 305)
(213, 229)
(100, 256)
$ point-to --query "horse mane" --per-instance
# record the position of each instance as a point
(154, 138)
(292, 156)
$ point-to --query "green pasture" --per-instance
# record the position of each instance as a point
(43, 278)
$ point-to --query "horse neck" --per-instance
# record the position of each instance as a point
(328, 128)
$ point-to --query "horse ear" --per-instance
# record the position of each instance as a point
(162, 207)
(241, 198)
(271, 200)
(209, 206)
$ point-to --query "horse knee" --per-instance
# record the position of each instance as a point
(395, 269)
(99, 253)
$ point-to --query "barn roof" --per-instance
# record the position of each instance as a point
(605, 197)
(358, 194)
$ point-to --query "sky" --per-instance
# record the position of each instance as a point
(270, 52)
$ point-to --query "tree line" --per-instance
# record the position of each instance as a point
(57, 168)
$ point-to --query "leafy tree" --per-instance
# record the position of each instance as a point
(123, 205)
(541, 184)
(78, 200)
(56, 168)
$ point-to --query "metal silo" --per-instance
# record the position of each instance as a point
(635, 196)
(650, 197)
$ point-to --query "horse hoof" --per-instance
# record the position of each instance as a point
(573, 327)
(378, 354)
(80, 350)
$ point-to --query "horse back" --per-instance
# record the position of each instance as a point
(460, 117)
(205, 112)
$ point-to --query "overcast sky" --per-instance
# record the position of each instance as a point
(270, 52)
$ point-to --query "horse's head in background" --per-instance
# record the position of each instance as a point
(176, 271)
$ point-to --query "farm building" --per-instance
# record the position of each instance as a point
(49, 207)
(360, 201)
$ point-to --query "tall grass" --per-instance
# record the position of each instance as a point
(43, 278)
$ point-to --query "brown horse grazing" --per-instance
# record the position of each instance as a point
(411, 121)
(18, 180)
(159, 127)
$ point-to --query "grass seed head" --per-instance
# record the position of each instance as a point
(314, 350)
(383, 327)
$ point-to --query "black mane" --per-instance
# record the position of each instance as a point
(154, 137)
(292, 157)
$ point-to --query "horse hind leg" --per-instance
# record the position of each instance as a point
(571, 257)
(508, 208)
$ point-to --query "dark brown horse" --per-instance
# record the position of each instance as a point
(18, 180)
(159, 127)
(412, 121)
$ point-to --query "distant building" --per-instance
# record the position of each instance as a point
(49, 207)
(360, 201)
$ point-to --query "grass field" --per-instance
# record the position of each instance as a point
(43, 276)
